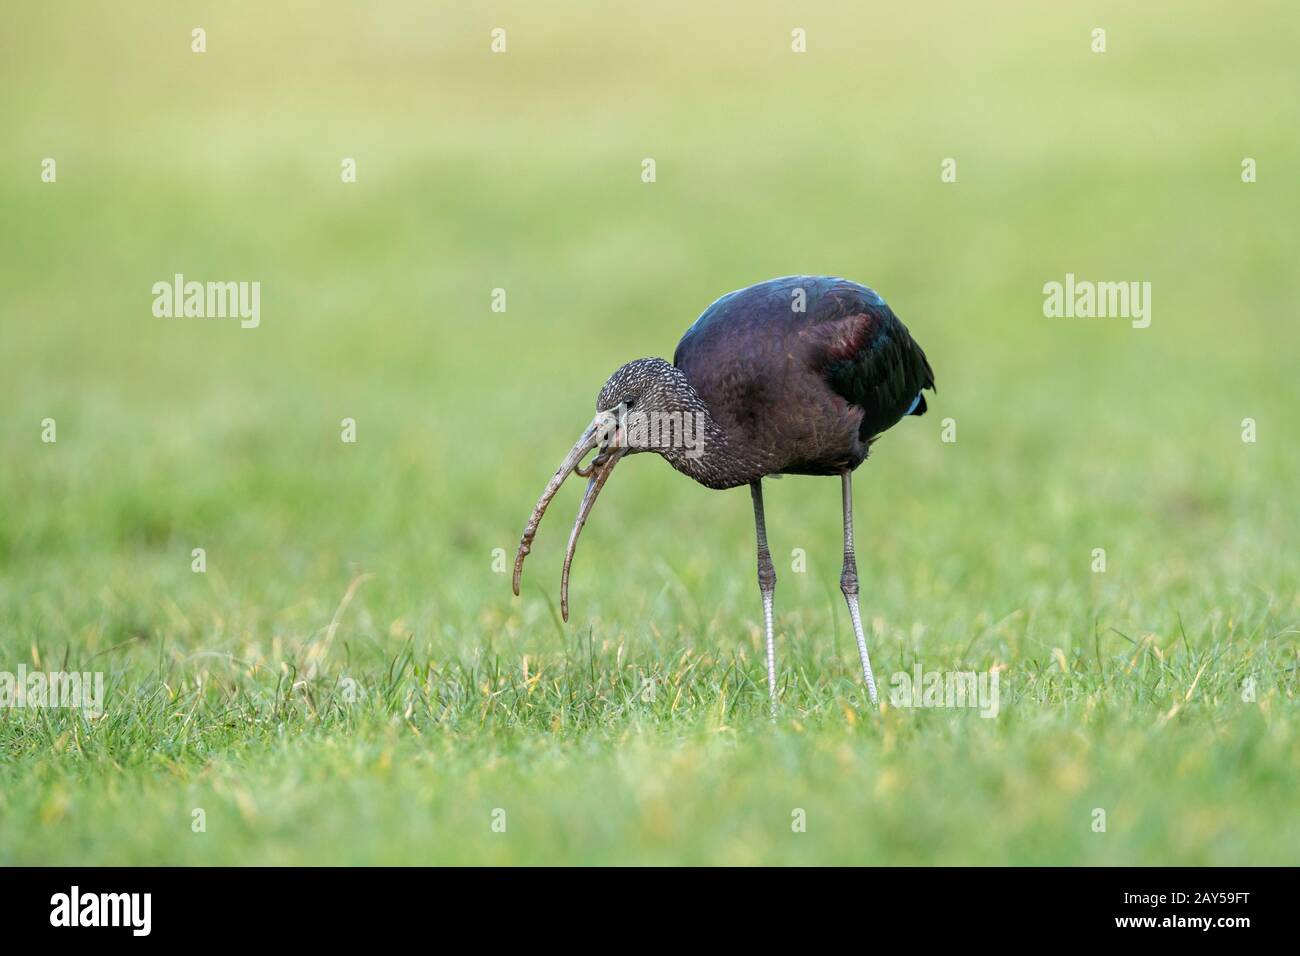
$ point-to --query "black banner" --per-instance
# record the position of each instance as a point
(338, 905)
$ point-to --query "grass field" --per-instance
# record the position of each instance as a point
(351, 680)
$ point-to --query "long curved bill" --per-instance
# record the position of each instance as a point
(600, 472)
(597, 473)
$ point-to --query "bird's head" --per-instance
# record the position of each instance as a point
(645, 385)
(631, 396)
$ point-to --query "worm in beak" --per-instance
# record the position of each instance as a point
(596, 473)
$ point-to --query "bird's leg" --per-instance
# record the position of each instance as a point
(766, 584)
(849, 585)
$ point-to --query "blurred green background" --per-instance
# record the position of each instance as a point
(522, 171)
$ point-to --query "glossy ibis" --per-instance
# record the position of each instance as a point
(794, 376)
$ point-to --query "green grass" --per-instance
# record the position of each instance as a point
(436, 698)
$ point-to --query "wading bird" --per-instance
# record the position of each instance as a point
(793, 376)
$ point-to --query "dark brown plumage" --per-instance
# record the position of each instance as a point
(807, 392)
